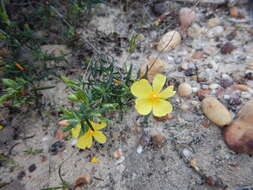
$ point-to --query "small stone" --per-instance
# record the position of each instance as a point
(241, 87)
(158, 141)
(215, 32)
(246, 95)
(214, 86)
(154, 66)
(184, 89)
(82, 180)
(32, 168)
(139, 149)
(117, 154)
(226, 97)
(21, 175)
(178, 60)
(203, 93)
(212, 22)
(186, 16)
(169, 41)
(184, 65)
(246, 112)
(164, 118)
(216, 111)
(185, 107)
(198, 54)
(225, 83)
(159, 8)
(227, 48)
(194, 30)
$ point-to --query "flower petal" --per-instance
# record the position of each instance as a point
(75, 132)
(143, 106)
(141, 88)
(84, 141)
(168, 92)
(98, 126)
(99, 136)
(162, 108)
(158, 82)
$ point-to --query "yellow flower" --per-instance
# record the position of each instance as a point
(1, 127)
(94, 159)
(85, 141)
(151, 98)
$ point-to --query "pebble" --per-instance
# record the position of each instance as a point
(158, 66)
(184, 89)
(32, 168)
(225, 83)
(194, 30)
(158, 141)
(82, 180)
(159, 8)
(212, 22)
(139, 149)
(246, 112)
(226, 97)
(214, 86)
(187, 16)
(184, 65)
(246, 95)
(118, 154)
(178, 60)
(215, 32)
(216, 111)
(185, 107)
(169, 41)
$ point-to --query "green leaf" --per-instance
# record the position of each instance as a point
(69, 81)
(9, 82)
(73, 98)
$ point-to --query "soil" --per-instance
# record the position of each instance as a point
(143, 166)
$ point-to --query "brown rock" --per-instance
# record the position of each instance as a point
(82, 180)
(239, 136)
(216, 111)
(158, 141)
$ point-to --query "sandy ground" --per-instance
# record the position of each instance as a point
(143, 165)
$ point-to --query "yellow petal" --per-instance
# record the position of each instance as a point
(1, 127)
(99, 136)
(98, 126)
(84, 141)
(143, 106)
(141, 88)
(161, 108)
(75, 132)
(158, 82)
(168, 92)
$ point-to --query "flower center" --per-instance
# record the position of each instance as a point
(91, 132)
(153, 97)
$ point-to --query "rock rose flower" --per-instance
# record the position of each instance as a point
(85, 141)
(152, 98)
